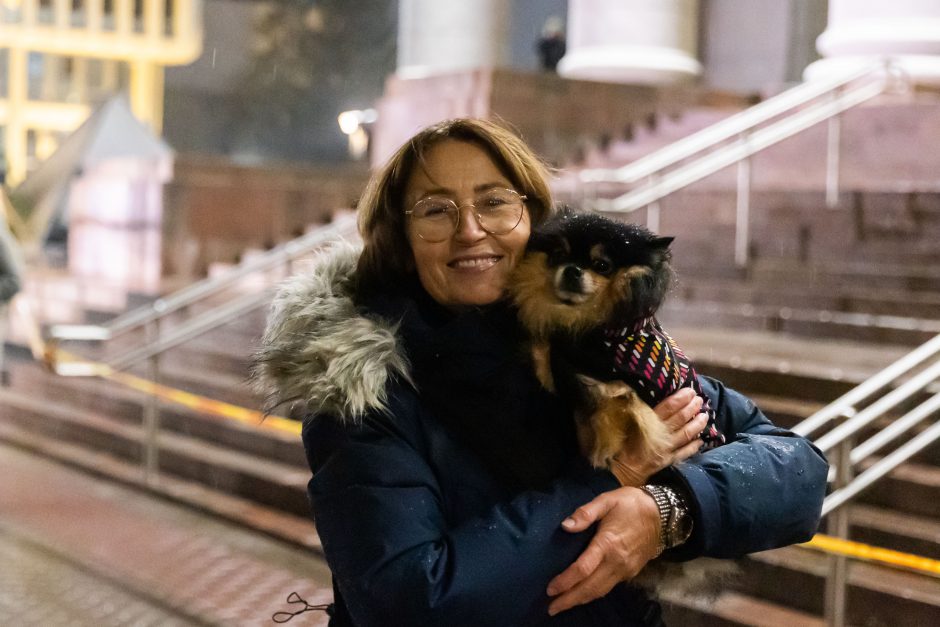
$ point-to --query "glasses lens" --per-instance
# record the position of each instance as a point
(499, 210)
(434, 218)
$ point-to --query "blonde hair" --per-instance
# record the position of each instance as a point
(386, 256)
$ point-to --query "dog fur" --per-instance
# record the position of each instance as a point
(585, 281)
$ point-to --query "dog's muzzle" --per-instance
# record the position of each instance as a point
(570, 284)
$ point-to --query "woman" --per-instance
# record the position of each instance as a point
(447, 488)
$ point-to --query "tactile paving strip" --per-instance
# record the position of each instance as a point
(36, 588)
(188, 563)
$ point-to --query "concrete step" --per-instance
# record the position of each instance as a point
(903, 303)
(734, 609)
(802, 322)
(274, 484)
(862, 274)
(878, 595)
(909, 533)
(912, 488)
(290, 528)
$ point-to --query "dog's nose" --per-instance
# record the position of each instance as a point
(571, 278)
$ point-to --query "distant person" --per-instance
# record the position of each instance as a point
(551, 45)
(10, 284)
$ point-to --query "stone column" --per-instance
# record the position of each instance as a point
(441, 36)
(860, 32)
(651, 42)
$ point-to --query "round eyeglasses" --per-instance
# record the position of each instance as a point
(498, 211)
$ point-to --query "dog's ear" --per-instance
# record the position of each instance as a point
(647, 289)
(659, 252)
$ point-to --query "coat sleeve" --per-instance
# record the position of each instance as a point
(763, 489)
(380, 513)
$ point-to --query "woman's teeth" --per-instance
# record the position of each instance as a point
(476, 262)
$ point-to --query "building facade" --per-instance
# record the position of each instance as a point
(60, 58)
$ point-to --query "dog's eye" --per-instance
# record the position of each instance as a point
(601, 266)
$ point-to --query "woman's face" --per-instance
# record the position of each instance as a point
(472, 266)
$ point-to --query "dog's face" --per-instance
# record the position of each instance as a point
(583, 270)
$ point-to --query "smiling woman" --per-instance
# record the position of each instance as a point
(471, 266)
(447, 485)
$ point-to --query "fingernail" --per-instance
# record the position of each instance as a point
(568, 523)
(552, 590)
(552, 611)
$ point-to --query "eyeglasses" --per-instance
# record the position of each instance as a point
(498, 211)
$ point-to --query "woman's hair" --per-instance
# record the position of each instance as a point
(386, 256)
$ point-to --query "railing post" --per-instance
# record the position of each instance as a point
(151, 431)
(838, 526)
(833, 154)
(741, 234)
(652, 209)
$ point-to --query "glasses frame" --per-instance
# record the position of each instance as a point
(480, 221)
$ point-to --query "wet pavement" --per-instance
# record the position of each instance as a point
(76, 550)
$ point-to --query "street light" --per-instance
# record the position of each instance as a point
(355, 124)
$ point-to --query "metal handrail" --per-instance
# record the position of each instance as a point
(847, 402)
(735, 140)
(284, 254)
(850, 419)
(724, 130)
(745, 146)
(910, 375)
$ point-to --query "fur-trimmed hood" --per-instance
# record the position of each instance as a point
(319, 351)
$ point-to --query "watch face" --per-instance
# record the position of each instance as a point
(683, 529)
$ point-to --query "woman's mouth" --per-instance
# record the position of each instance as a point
(474, 263)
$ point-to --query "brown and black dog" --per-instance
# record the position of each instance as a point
(587, 292)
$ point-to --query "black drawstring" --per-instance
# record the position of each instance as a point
(294, 598)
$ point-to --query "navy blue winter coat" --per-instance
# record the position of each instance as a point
(442, 471)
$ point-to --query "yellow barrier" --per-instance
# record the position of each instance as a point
(865, 552)
(186, 399)
(203, 404)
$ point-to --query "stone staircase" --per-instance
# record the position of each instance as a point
(832, 296)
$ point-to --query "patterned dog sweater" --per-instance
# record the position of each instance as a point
(648, 359)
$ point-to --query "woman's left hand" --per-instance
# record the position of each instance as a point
(679, 413)
(627, 537)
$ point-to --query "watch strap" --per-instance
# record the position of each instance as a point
(664, 506)
(680, 523)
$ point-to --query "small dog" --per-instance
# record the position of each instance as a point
(587, 291)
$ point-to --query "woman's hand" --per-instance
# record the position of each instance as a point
(627, 538)
(680, 414)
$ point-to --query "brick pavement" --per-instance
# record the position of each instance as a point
(78, 550)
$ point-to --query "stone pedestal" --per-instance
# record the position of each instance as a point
(650, 42)
(862, 32)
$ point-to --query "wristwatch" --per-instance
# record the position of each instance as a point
(675, 523)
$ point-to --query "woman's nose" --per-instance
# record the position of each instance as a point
(468, 225)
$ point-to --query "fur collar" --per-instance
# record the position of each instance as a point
(319, 353)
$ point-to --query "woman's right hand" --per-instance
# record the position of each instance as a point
(680, 413)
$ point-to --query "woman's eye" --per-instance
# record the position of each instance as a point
(601, 266)
(432, 210)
